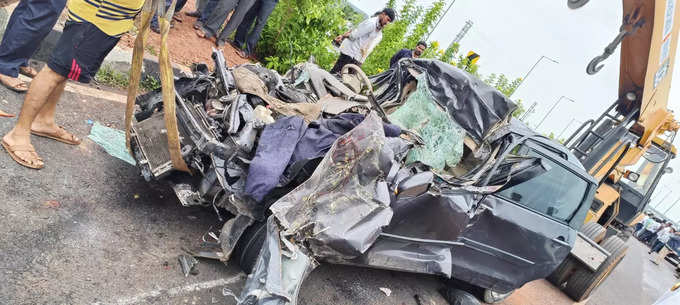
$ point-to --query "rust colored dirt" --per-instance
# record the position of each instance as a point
(185, 46)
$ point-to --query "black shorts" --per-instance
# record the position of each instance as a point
(80, 51)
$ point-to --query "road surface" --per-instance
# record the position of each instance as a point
(87, 229)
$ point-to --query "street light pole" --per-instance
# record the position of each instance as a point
(552, 108)
(672, 205)
(565, 128)
(532, 69)
(440, 19)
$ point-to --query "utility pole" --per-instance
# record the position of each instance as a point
(440, 19)
(462, 33)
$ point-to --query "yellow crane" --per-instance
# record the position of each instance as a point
(628, 148)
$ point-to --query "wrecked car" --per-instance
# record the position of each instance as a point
(419, 169)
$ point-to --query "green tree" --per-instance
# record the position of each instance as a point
(298, 29)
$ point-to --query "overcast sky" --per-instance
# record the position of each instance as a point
(510, 36)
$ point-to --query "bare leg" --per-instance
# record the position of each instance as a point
(40, 91)
(45, 123)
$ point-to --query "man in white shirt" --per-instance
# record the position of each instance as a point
(664, 236)
(358, 43)
(649, 229)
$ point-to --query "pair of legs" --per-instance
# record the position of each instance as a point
(29, 24)
(37, 116)
(258, 14)
(342, 61)
(657, 247)
(179, 5)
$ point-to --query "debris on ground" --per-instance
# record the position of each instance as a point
(112, 140)
(5, 114)
(386, 291)
(188, 264)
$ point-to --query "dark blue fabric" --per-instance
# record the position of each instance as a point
(403, 53)
(321, 135)
(288, 141)
(657, 246)
(30, 22)
(258, 13)
(207, 10)
(274, 150)
(178, 7)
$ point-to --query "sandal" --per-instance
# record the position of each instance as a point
(12, 150)
(59, 136)
(28, 71)
(15, 85)
(5, 114)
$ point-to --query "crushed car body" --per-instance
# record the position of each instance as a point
(418, 169)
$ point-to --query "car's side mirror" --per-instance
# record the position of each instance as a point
(415, 185)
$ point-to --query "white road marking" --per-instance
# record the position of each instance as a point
(175, 291)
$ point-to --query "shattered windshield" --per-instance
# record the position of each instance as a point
(557, 193)
(648, 167)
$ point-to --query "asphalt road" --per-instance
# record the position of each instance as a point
(87, 229)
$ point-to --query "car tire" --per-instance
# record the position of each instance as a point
(563, 271)
(248, 247)
(583, 282)
(594, 231)
(492, 297)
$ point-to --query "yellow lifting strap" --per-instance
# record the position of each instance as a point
(166, 74)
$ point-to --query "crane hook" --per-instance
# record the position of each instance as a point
(574, 4)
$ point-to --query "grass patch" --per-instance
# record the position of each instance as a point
(151, 50)
(149, 83)
(112, 78)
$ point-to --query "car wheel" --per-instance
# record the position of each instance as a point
(583, 282)
(492, 297)
(594, 231)
(248, 247)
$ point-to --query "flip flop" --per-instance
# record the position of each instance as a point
(58, 136)
(5, 114)
(11, 150)
(18, 87)
(28, 71)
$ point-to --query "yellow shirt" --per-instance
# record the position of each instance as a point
(113, 17)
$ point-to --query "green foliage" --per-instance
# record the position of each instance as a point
(298, 29)
(149, 83)
(110, 77)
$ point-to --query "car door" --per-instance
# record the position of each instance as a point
(523, 232)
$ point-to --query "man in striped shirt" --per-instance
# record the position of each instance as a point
(92, 30)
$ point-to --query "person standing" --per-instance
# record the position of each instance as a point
(29, 24)
(407, 53)
(358, 43)
(211, 27)
(89, 35)
(664, 236)
(258, 14)
(650, 227)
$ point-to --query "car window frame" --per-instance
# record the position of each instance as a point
(538, 147)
